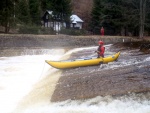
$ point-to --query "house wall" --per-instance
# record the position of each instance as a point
(55, 25)
(48, 24)
(77, 25)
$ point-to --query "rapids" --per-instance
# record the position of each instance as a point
(27, 83)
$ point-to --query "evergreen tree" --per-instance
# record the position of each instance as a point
(6, 13)
(35, 11)
(2, 6)
(23, 12)
(147, 21)
(66, 11)
(46, 5)
(97, 17)
(121, 17)
(132, 15)
(142, 17)
(61, 10)
(114, 16)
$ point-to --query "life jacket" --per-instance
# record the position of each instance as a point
(101, 50)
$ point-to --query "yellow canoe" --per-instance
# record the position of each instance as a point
(82, 62)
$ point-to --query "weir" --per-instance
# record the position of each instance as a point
(51, 41)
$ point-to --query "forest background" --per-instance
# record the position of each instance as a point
(118, 17)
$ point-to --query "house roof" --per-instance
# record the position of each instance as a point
(49, 12)
(75, 19)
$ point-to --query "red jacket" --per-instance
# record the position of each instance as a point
(101, 50)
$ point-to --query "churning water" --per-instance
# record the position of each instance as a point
(18, 74)
(27, 84)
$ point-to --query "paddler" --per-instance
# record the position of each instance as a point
(101, 49)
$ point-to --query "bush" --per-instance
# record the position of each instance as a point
(28, 30)
(35, 30)
(47, 31)
(71, 31)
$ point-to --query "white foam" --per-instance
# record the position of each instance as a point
(18, 75)
(95, 105)
(147, 59)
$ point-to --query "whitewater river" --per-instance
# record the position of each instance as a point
(27, 84)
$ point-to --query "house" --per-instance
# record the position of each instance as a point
(49, 20)
(76, 22)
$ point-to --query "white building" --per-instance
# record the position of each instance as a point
(76, 22)
(48, 21)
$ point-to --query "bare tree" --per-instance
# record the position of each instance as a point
(83, 9)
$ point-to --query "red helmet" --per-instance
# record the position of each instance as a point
(101, 42)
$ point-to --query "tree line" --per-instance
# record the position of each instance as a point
(30, 12)
(118, 17)
(121, 17)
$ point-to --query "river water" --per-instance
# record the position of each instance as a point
(27, 84)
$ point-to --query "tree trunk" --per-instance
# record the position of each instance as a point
(6, 23)
(142, 17)
(6, 28)
(141, 34)
(144, 14)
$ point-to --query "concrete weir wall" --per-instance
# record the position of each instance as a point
(50, 41)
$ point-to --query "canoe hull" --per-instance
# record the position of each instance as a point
(82, 62)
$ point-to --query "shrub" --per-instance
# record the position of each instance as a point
(72, 31)
(26, 29)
